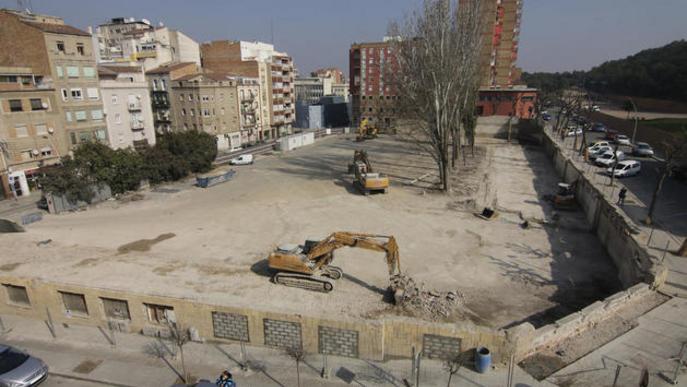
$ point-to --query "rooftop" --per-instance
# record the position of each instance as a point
(61, 29)
(166, 68)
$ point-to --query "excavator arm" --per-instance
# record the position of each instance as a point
(321, 252)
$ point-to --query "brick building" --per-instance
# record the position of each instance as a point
(273, 69)
(373, 96)
(61, 61)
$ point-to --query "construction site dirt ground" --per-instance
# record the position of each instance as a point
(211, 244)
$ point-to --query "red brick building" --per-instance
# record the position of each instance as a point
(518, 100)
(372, 93)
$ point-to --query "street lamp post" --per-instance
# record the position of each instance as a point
(634, 132)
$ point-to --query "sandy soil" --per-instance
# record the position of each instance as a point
(210, 244)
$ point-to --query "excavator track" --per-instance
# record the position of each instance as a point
(314, 283)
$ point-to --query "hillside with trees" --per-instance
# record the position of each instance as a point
(653, 73)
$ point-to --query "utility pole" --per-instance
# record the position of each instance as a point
(634, 132)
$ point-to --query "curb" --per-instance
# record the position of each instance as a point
(83, 379)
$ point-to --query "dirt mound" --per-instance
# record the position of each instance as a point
(424, 303)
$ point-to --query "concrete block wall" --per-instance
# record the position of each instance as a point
(366, 339)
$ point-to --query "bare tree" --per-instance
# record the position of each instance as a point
(453, 365)
(179, 336)
(674, 152)
(298, 354)
(159, 350)
(437, 51)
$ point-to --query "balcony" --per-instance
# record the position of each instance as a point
(146, 54)
(160, 104)
(134, 106)
(137, 125)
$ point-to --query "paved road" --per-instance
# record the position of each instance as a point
(58, 381)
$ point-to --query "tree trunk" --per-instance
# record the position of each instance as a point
(298, 372)
(450, 375)
(682, 251)
(183, 364)
(654, 197)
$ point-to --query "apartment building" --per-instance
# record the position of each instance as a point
(62, 56)
(310, 90)
(209, 103)
(159, 80)
(31, 133)
(336, 75)
(274, 70)
(250, 106)
(373, 96)
(131, 40)
(499, 52)
(128, 111)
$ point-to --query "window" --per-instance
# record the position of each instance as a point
(206, 98)
(72, 138)
(74, 303)
(181, 97)
(163, 85)
(65, 94)
(60, 46)
(76, 94)
(68, 116)
(17, 295)
(221, 111)
(15, 105)
(85, 136)
(37, 104)
(190, 97)
(41, 130)
(46, 152)
(155, 85)
(72, 71)
(193, 112)
(89, 72)
(60, 72)
(114, 99)
(101, 135)
(80, 49)
(118, 118)
(160, 314)
(92, 93)
(80, 115)
(221, 97)
(183, 112)
(116, 309)
(206, 112)
(97, 114)
(21, 131)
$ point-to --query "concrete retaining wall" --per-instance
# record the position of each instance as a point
(367, 339)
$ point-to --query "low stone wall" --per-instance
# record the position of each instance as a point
(128, 312)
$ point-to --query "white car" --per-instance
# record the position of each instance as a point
(574, 132)
(623, 140)
(608, 158)
(596, 152)
(625, 169)
(242, 160)
(599, 144)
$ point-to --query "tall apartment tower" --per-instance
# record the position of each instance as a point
(500, 42)
(372, 94)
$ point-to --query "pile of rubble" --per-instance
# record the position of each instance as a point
(420, 302)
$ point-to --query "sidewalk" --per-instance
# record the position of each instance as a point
(13, 209)
(84, 353)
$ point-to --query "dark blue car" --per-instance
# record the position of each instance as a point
(546, 117)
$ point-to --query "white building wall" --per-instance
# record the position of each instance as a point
(116, 96)
(188, 50)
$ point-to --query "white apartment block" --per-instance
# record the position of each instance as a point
(128, 110)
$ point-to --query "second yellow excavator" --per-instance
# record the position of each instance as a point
(308, 266)
(367, 180)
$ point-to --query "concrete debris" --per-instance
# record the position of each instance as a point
(417, 300)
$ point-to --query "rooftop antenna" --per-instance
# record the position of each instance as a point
(272, 30)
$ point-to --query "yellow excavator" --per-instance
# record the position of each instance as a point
(365, 178)
(308, 266)
(366, 132)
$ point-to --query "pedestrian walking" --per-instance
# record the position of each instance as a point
(621, 196)
(225, 380)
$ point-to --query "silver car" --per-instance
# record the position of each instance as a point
(18, 369)
(642, 149)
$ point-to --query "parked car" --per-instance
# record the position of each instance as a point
(572, 132)
(625, 169)
(623, 140)
(610, 134)
(642, 149)
(596, 108)
(18, 369)
(598, 127)
(608, 158)
(597, 144)
(593, 154)
(546, 116)
(242, 160)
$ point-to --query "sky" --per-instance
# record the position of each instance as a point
(557, 35)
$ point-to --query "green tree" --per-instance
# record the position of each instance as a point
(198, 148)
(68, 180)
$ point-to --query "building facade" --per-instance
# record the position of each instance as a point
(274, 70)
(373, 96)
(209, 103)
(518, 101)
(250, 108)
(309, 90)
(128, 110)
(31, 133)
(336, 75)
(60, 59)
(500, 43)
(131, 40)
(159, 80)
